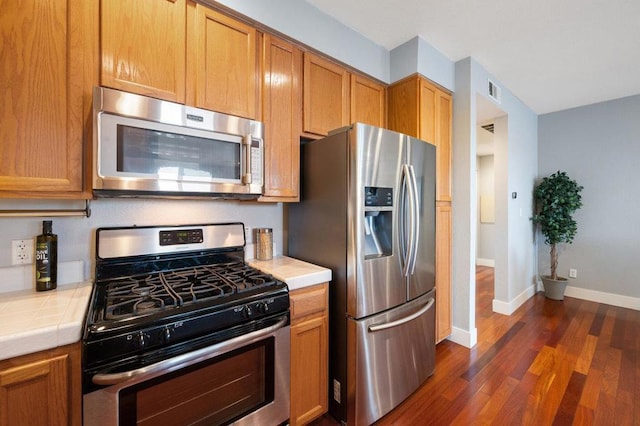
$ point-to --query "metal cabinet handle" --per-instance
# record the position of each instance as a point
(190, 357)
(385, 326)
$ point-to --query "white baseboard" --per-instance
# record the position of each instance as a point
(507, 308)
(602, 297)
(486, 262)
(463, 337)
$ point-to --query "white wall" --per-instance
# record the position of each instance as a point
(486, 242)
(307, 24)
(76, 235)
(515, 171)
(416, 55)
(599, 146)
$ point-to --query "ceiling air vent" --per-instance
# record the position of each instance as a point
(488, 127)
(495, 92)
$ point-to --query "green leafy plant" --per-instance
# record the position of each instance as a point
(557, 197)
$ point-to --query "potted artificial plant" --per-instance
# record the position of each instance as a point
(557, 197)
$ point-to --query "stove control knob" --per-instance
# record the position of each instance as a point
(247, 311)
(141, 340)
(166, 334)
(263, 307)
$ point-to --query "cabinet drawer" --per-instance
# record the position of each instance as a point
(308, 301)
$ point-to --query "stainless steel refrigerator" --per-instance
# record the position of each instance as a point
(367, 211)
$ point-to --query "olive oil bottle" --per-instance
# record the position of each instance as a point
(46, 258)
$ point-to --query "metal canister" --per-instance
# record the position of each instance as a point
(264, 247)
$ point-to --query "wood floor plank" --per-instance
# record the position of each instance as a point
(588, 349)
(567, 409)
(550, 362)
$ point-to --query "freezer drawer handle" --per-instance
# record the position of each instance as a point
(379, 327)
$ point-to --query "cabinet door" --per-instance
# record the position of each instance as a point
(42, 388)
(223, 56)
(404, 107)
(143, 47)
(309, 353)
(444, 108)
(435, 127)
(325, 95)
(368, 101)
(282, 102)
(45, 51)
(309, 362)
(443, 270)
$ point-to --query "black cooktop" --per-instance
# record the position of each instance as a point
(145, 294)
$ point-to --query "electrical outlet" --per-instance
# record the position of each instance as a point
(21, 252)
(573, 273)
(248, 234)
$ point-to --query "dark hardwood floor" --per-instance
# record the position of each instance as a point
(550, 363)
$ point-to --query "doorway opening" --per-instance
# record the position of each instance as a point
(491, 186)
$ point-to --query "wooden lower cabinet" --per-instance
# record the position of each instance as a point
(443, 270)
(309, 353)
(42, 388)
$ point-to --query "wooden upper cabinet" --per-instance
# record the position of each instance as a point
(45, 81)
(325, 95)
(420, 108)
(282, 103)
(222, 61)
(143, 45)
(444, 111)
(368, 101)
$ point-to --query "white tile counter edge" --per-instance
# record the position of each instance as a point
(32, 321)
(295, 273)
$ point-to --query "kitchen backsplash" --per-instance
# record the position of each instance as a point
(76, 235)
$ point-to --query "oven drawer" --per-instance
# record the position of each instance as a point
(244, 380)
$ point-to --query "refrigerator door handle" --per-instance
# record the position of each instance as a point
(408, 236)
(414, 205)
(405, 243)
(388, 325)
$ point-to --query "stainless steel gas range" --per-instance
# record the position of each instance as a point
(181, 331)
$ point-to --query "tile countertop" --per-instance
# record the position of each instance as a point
(33, 321)
(296, 273)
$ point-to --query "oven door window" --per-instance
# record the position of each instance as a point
(213, 392)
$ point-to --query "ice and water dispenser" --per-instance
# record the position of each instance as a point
(378, 219)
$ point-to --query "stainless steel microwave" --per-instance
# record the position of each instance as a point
(150, 147)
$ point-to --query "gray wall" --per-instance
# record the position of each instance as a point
(598, 146)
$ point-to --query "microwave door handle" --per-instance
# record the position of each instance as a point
(246, 151)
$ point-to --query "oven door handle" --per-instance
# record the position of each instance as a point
(189, 358)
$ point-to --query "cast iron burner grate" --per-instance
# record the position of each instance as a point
(141, 295)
